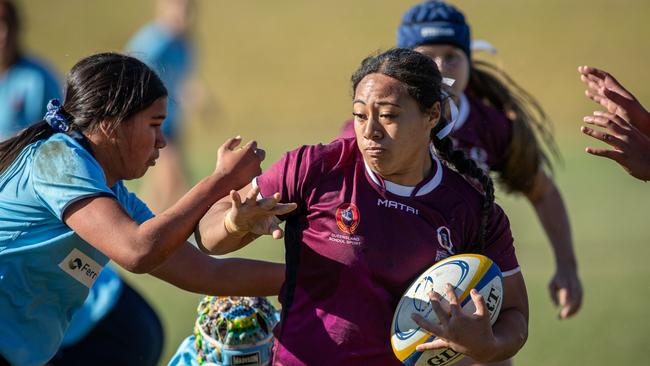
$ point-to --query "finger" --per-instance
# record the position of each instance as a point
(235, 198)
(613, 125)
(615, 155)
(434, 329)
(284, 208)
(592, 72)
(252, 194)
(268, 203)
(276, 231)
(261, 154)
(437, 343)
(479, 303)
(251, 145)
(232, 143)
(443, 316)
(563, 297)
(452, 298)
(603, 136)
(621, 101)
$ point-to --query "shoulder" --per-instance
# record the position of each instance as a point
(325, 158)
(60, 155)
(459, 192)
(148, 39)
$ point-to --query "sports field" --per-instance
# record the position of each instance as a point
(278, 71)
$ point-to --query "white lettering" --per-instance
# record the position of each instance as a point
(397, 205)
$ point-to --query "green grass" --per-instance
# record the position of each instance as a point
(278, 71)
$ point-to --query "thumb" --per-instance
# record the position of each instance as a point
(232, 143)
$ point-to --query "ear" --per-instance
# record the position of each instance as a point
(433, 115)
(107, 128)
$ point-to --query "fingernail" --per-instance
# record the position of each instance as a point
(586, 119)
(238, 137)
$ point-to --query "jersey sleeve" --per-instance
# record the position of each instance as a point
(499, 244)
(137, 209)
(64, 173)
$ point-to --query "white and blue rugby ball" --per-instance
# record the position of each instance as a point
(464, 272)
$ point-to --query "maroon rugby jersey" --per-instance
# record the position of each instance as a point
(361, 242)
(482, 132)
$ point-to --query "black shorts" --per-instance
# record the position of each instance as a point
(130, 334)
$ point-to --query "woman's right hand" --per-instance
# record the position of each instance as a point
(240, 164)
(255, 216)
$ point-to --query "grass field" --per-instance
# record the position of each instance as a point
(278, 71)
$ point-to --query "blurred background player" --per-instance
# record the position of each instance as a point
(166, 46)
(500, 127)
(229, 331)
(625, 123)
(26, 82)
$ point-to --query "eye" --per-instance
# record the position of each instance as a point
(388, 116)
(359, 116)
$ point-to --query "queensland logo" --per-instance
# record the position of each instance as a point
(444, 238)
(347, 218)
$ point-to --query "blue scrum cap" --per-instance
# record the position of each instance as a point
(434, 22)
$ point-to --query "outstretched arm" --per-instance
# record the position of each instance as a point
(565, 287)
(194, 271)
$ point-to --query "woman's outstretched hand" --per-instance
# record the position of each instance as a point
(256, 216)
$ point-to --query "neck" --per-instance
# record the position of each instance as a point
(104, 154)
(414, 173)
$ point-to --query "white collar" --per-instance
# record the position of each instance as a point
(463, 111)
(407, 191)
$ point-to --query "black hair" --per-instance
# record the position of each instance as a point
(530, 125)
(423, 82)
(106, 87)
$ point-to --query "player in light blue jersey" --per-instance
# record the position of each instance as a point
(165, 45)
(26, 83)
(64, 210)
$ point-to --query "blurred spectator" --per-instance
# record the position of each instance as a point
(165, 45)
(625, 125)
(26, 83)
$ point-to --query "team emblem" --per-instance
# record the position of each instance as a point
(444, 238)
(347, 218)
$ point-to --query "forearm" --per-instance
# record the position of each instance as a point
(163, 234)
(212, 236)
(194, 271)
(510, 333)
(553, 216)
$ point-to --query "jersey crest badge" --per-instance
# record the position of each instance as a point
(347, 218)
(444, 238)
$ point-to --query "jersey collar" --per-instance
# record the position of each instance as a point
(426, 186)
(463, 111)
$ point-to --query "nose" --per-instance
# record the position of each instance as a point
(161, 141)
(372, 130)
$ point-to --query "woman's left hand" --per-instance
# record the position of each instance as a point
(469, 334)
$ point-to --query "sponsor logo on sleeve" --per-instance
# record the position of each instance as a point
(444, 239)
(81, 267)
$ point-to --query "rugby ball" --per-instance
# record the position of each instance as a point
(464, 272)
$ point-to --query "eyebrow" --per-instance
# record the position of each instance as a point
(160, 116)
(379, 103)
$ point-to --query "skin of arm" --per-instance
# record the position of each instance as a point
(231, 223)
(471, 334)
(565, 287)
(190, 269)
(139, 248)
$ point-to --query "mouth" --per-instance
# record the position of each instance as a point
(375, 150)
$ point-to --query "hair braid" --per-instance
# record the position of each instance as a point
(468, 167)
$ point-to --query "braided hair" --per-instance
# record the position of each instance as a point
(423, 82)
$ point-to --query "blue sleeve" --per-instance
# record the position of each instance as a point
(186, 354)
(137, 209)
(64, 173)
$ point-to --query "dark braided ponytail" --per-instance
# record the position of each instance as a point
(467, 167)
(423, 82)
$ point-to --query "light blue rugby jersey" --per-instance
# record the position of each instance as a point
(171, 57)
(25, 89)
(45, 268)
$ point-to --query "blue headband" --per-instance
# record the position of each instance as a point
(434, 22)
